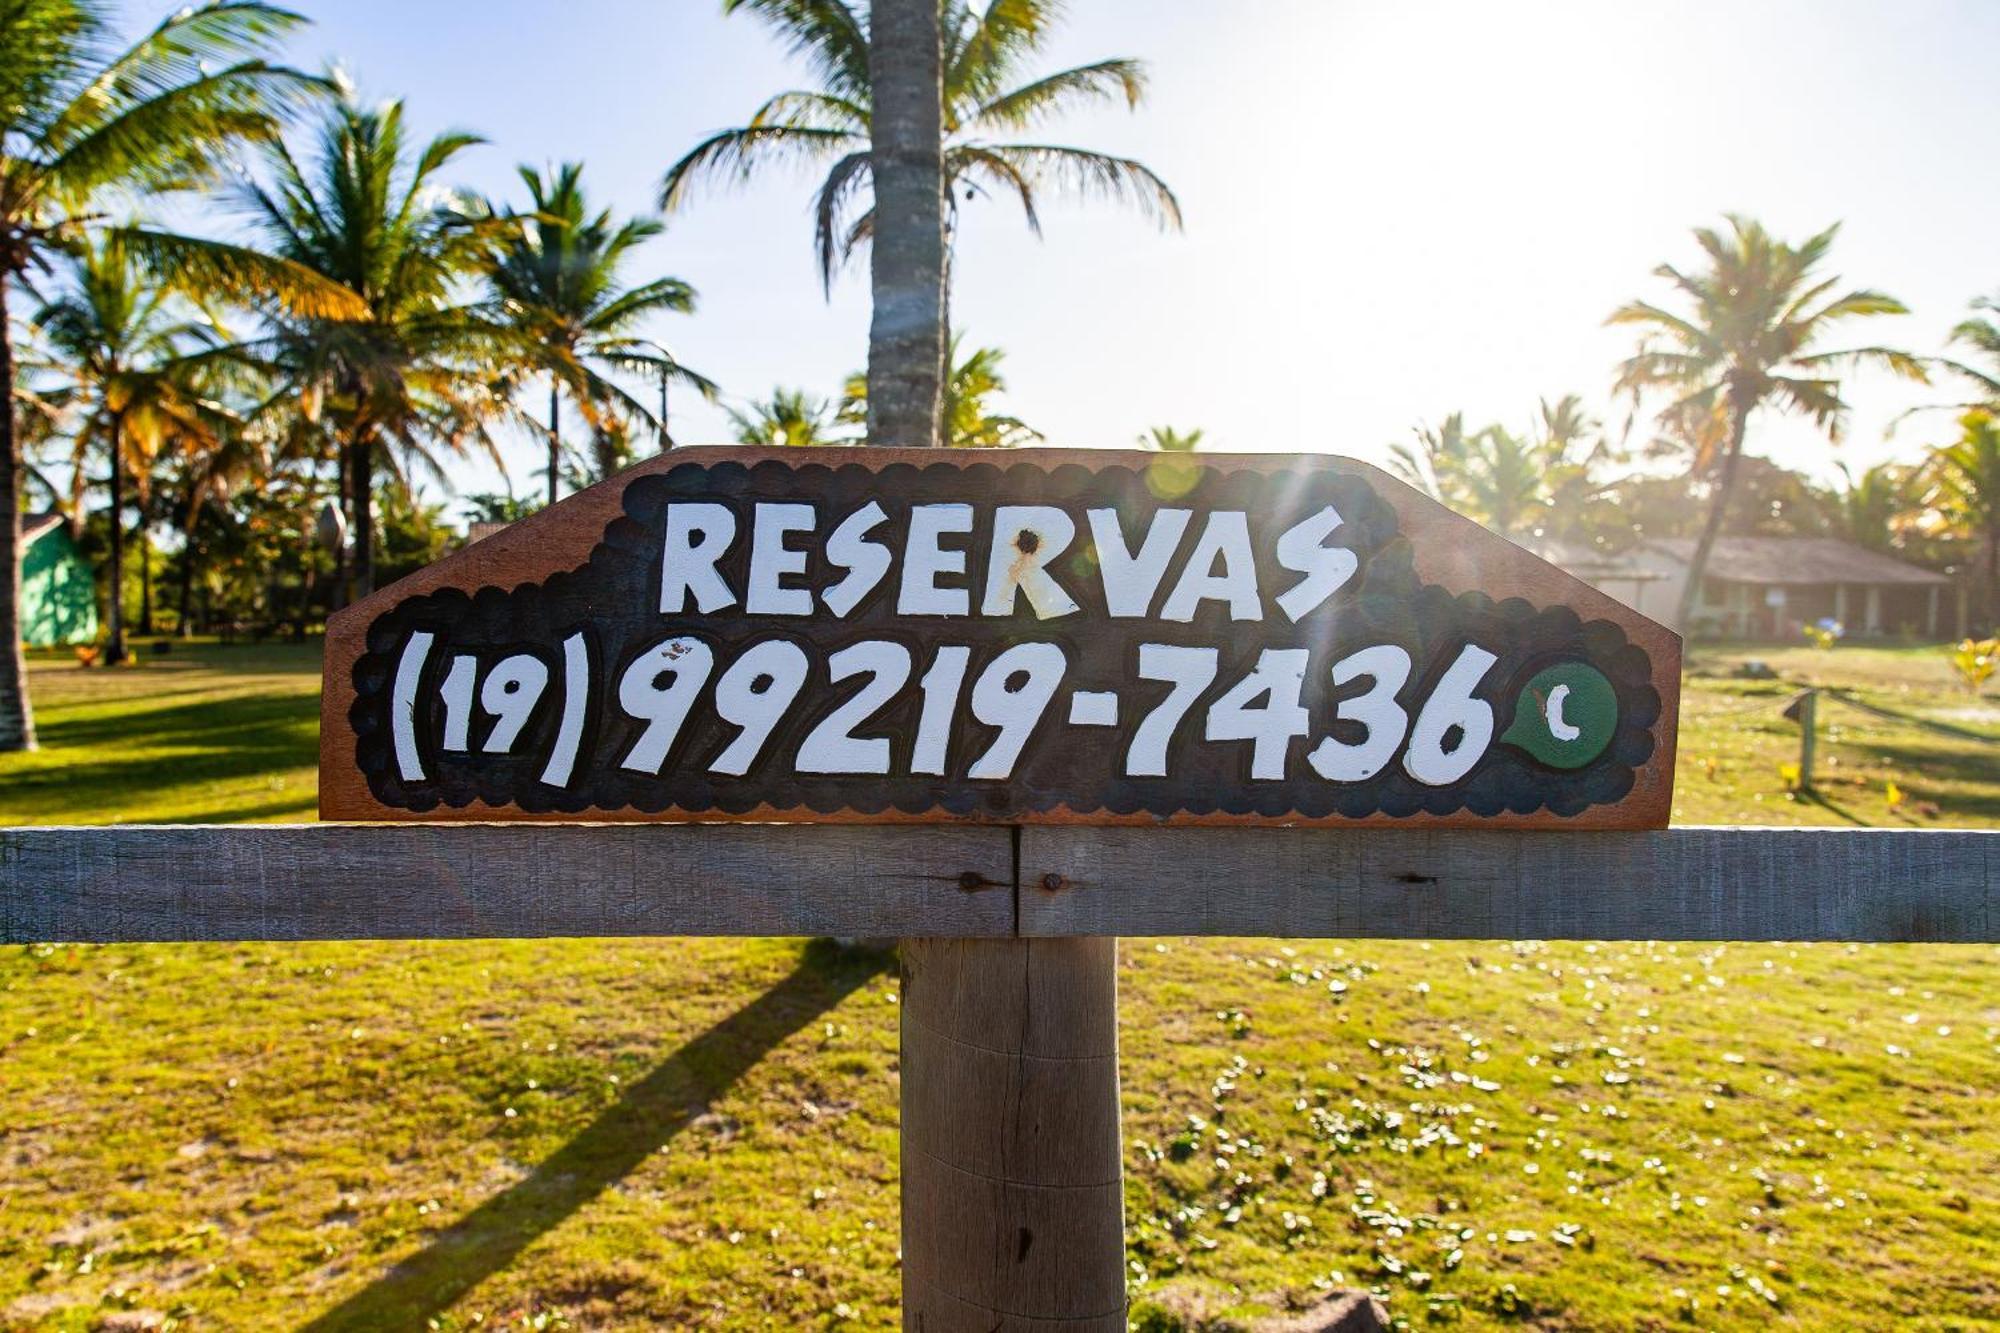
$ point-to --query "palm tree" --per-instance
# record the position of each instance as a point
(1869, 508)
(554, 274)
(1516, 484)
(80, 120)
(128, 357)
(1750, 338)
(1981, 334)
(1965, 492)
(1435, 462)
(1502, 480)
(787, 417)
(984, 59)
(968, 419)
(203, 479)
(1574, 451)
(420, 368)
(1170, 441)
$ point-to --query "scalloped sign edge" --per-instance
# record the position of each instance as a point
(1445, 549)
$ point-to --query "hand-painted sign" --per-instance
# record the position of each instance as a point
(1039, 635)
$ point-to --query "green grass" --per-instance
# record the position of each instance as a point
(205, 733)
(641, 1134)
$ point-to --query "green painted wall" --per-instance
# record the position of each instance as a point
(59, 597)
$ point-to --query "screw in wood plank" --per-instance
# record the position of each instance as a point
(972, 882)
(1053, 883)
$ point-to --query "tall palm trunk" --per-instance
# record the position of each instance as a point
(17, 717)
(342, 591)
(308, 577)
(188, 552)
(906, 265)
(1992, 577)
(1725, 486)
(143, 540)
(114, 648)
(555, 439)
(360, 466)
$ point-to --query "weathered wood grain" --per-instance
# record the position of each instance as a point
(332, 881)
(1687, 883)
(1013, 1205)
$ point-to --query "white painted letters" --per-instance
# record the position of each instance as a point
(865, 561)
(698, 534)
(1226, 536)
(1025, 539)
(1326, 568)
(771, 560)
(924, 560)
(1130, 581)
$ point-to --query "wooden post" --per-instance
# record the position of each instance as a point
(1013, 1193)
(1808, 736)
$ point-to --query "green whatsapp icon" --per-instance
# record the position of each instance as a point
(1565, 716)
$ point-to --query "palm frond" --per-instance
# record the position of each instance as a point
(1818, 399)
(1646, 314)
(983, 49)
(1033, 103)
(978, 162)
(184, 48)
(812, 110)
(175, 139)
(1905, 364)
(849, 176)
(199, 265)
(1089, 175)
(669, 295)
(829, 34)
(1857, 303)
(740, 152)
(654, 364)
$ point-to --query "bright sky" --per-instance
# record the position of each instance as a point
(1393, 210)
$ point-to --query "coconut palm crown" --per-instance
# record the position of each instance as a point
(1750, 334)
(1979, 333)
(1965, 480)
(555, 276)
(789, 417)
(83, 121)
(424, 366)
(988, 98)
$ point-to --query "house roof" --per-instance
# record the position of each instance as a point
(34, 525)
(1588, 562)
(481, 529)
(1797, 561)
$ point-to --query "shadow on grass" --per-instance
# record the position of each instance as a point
(649, 1114)
(1971, 774)
(243, 721)
(300, 808)
(1914, 720)
(125, 762)
(1814, 796)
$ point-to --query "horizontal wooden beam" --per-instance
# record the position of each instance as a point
(469, 881)
(1685, 883)
(460, 881)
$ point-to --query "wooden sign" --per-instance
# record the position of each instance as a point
(1082, 636)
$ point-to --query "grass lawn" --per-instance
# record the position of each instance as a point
(626, 1135)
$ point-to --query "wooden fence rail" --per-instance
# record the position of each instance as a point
(334, 881)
